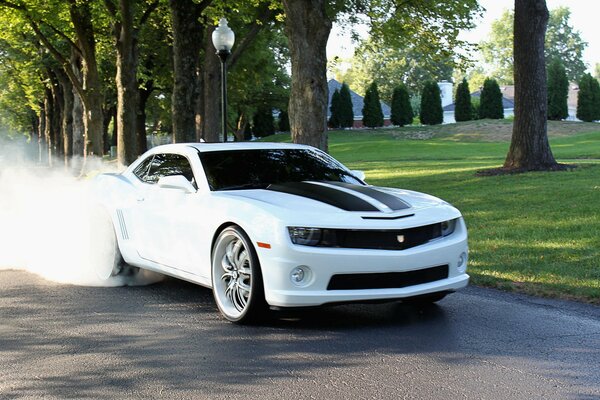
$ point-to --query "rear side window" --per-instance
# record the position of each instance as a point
(162, 165)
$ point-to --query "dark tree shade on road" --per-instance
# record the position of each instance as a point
(529, 147)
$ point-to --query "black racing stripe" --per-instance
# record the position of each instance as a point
(389, 200)
(324, 194)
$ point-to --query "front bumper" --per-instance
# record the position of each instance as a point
(278, 264)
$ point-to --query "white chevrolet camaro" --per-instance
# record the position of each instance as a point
(278, 225)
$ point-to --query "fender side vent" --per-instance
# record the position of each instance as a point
(122, 225)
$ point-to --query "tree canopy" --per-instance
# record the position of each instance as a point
(562, 41)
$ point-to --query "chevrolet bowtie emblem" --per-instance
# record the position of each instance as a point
(400, 238)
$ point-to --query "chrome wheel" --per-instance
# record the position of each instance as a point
(236, 279)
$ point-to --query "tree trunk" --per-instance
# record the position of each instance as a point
(81, 17)
(307, 27)
(187, 43)
(144, 92)
(78, 125)
(41, 130)
(211, 115)
(126, 80)
(48, 124)
(529, 148)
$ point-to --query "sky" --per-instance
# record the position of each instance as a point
(584, 18)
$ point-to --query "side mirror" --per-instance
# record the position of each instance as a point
(359, 174)
(178, 182)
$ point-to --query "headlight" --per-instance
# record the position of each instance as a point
(305, 236)
(448, 227)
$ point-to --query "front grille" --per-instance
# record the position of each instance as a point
(387, 280)
(399, 239)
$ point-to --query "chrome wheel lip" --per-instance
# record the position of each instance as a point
(232, 275)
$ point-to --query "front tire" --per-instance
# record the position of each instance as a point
(236, 277)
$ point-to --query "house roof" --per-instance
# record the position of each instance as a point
(358, 102)
(506, 103)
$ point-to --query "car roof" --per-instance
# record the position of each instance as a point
(208, 147)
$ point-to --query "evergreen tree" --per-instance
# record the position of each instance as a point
(588, 99)
(372, 114)
(431, 104)
(402, 113)
(334, 119)
(491, 100)
(284, 121)
(463, 109)
(346, 108)
(262, 123)
(558, 91)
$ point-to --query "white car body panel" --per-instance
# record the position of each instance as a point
(172, 232)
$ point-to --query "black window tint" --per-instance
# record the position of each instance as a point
(168, 165)
(250, 169)
(141, 170)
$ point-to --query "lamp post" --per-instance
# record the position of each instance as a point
(223, 39)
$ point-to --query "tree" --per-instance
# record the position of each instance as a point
(262, 123)
(307, 26)
(391, 67)
(431, 26)
(529, 148)
(402, 113)
(588, 99)
(463, 109)
(334, 120)
(558, 91)
(346, 108)
(597, 71)
(491, 100)
(562, 42)
(372, 114)
(431, 104)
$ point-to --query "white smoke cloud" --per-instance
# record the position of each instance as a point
(45, 219)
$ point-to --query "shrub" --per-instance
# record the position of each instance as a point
(262, 123)
(588, 99)
(491, 100)
(372, 114)
(431, 104)
(346, 109)
(558, 91)
(334, 119)
(463, 109)
(284, 121)
(402, 113)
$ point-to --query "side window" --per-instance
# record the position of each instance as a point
(142, 170)
(167, 165)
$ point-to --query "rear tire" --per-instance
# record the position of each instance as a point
(104, 255)
(237, 278)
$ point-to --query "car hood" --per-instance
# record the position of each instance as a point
(336, 197)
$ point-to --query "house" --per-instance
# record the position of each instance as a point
(508, 104)
(357, 105)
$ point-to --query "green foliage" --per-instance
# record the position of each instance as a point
(346, 109)
(588, 99)
(597, 71)
(402, 113)
(263, 123)
(558, 91)
(283, 121)
(431, 104)
(563, 42)
(372, 114)
(475, 107)
(393, 66)
(334, 120)
(463, 110)
(491, 100)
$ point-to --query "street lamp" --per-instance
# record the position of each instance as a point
(223, 39)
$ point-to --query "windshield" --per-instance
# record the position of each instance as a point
(258, 168)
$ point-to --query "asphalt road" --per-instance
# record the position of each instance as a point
(168, 341)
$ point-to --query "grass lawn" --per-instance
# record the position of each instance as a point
(537, 233)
